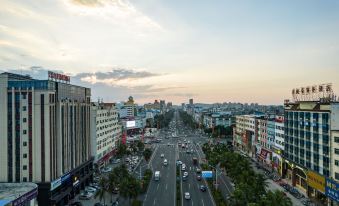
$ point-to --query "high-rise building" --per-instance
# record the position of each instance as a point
(45, 125)
(191, 102)
(312, 142)
(130, 107)
(105, 132)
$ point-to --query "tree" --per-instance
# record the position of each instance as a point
(102, 191)
(276, 198)
(121, 150)
(140, 146)
(129, 188)
(147, 154)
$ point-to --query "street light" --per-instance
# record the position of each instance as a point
(216, 176)
(140, 169)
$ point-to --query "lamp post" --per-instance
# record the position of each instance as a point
(140, 170)
(216, 176)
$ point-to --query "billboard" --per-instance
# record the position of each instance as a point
(332, 189)
(130, 124)
(207, 174)
(316, 181)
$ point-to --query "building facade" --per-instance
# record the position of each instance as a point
(47, 128)
(311, 149)
(105, 132)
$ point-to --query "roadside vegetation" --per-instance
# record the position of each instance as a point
(250, 188)
(188, 120)
(163, 120)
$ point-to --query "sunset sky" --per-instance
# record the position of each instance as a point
(212, 51)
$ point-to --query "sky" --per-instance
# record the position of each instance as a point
(211, 51)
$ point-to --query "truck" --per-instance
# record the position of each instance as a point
(157, 175)
(195, 161)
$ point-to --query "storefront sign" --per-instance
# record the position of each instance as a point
(55, 184)
(24, 199)
(332, 189)
(316, 181)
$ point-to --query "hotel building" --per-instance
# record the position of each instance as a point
(45, 128)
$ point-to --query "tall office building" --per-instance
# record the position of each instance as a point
(45, 128)
(312, 141)
(191, 102)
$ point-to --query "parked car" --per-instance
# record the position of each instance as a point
(198, 177)
(162, 155)
(76, 204)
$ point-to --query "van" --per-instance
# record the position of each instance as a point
(165, 162)
(157, 175)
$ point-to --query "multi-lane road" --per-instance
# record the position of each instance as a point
(163, 192)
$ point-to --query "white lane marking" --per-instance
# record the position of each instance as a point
(202, 201)
(192, 202)
(154, 202)
(157, 187)
(189, 186)
(166, 186)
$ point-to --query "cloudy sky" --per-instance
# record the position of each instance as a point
(212, 51)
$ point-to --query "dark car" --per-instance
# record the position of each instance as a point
(98, 204)
(198, 177)
(203, 188)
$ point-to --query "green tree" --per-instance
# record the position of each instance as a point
(147, 154)
(121, 150)
(129, 188)
(276, 198)
(140, 146)
(102, 191)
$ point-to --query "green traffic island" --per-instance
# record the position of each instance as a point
(145, 181)
(178, 188)
(216, 193)
(250, 188)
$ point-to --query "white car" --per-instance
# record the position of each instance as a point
(90, 189)
(187, 196)
(186, 174)
(183, 167)
(162, 155)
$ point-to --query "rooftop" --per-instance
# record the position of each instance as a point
(12, 191)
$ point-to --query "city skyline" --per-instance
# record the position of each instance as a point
(212, 52)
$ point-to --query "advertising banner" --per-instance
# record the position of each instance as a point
(332, 189)
(316, 181)
(207, 174)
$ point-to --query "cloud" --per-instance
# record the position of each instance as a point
(118, 74)
(119, 12)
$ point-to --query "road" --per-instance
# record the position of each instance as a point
(163, 192)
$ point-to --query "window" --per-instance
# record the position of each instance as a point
(24, 108)
(24, 144)
(336, 151)
(24, 179)
(336, 162)
(24, 167)
(337, 176)
(336, 139)
(24, 119)
(25, 155)
(24, 131)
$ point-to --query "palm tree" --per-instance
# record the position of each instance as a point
(276, 198)
(147, 154)
(102, 191)
(129, 188)
(112, 183)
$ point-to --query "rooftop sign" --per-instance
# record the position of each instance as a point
(58, 77)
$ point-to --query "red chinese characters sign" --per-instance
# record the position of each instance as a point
(60, 77)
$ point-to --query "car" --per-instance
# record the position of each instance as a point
(90, 189)
(192, 151)
(179, 162)
(99, 204)
(187, 151)
(168, 144)
(185, 173)
(184, 178)
(198, 170)
(162, 155)
(116, 161)
(187, 196)
(198, 177)
(86, 196)
(165, 162)
(183, 167)
(203, 188)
